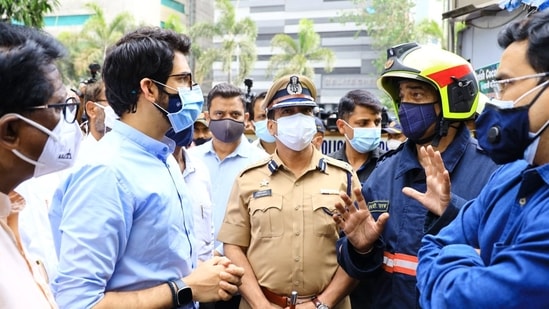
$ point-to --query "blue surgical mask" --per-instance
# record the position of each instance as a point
(364, 139)
(183, 107)
(415, 119)
(262, 132)
(503, 130)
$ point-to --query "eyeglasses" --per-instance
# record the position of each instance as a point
(69, 108)
(501, 85)
(184, 78)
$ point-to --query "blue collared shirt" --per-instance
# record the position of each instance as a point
(223, 174)
(122, 221)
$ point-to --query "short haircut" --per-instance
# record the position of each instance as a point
(93, 93)
(226, 91)
(535, 30)
(260, 96)
(353, 98)
(147, 52)
(27, 56)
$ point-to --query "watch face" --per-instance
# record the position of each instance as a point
(322, 306)
(184, 296)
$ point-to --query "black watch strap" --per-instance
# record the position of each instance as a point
(181, 293)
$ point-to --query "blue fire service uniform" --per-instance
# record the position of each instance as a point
(507, 222)
(391, 266)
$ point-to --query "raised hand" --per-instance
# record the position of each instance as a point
(437, 197)
(360, 227)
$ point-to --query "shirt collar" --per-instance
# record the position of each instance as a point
(160, 149)
(451, 155)
(318, 161)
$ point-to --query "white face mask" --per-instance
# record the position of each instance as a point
(296, 131)
(530, 151)
(393, 144)
(110, 115)
(60, 149)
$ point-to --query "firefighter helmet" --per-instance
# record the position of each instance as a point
(451, 75)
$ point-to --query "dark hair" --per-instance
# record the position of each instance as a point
(260, 96)
(535, 29)
(93, 93)
(227, 91)
(147, 52)
(27, 56)
(353, 98)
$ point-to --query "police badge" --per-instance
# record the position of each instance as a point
(294, 86)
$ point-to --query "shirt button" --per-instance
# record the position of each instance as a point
(522, 201)
(297, 207)
(297, 233)
(296, 259)
(297, 184)
(296, 282)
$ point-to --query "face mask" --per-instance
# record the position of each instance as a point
(364, 139)
(503, 130)
(393, 144)
(262, 133)
(183, 138)
(226, 130)
(415, 119)
(60, 149)
(296, 131)
(110, 115)
(201, 140)
(184, 107)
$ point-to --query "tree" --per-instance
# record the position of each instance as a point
(237, 43)
(296, 56)
(387, 22)
(90, 45)
(28, 12)
(429, 31)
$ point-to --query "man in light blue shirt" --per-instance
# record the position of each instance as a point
(122, 222)
(228, 152)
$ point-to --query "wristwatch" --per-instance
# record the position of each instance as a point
(319, 304)
(181, 293)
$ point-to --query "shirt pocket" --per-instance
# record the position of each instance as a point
(323, 223)
(266, 217)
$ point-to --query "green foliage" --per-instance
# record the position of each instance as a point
(90, 45)
(236, 42)
(296, 55)
(387, 22)
(28, 12)
(428, 31)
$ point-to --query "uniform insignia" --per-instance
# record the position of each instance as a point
(389, 63)
(262, 193)
(294, 86)
(264, 183)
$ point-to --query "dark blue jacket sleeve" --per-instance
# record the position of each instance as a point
(359, 266)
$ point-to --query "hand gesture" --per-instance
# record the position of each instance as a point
(437, 197)
(361, 228)
(215, 279)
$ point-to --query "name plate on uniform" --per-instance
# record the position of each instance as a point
(378, 206)
(262, 193)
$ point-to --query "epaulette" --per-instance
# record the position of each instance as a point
(390, 153)
(341, 164)
(255, 165)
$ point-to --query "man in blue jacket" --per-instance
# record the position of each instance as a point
(434, 92)
(495, 254)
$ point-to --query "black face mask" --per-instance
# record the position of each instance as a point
(201, 140)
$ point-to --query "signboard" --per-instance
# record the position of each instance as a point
(486, 79)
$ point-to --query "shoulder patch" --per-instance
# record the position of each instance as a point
(341, 164)
(255, 165)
